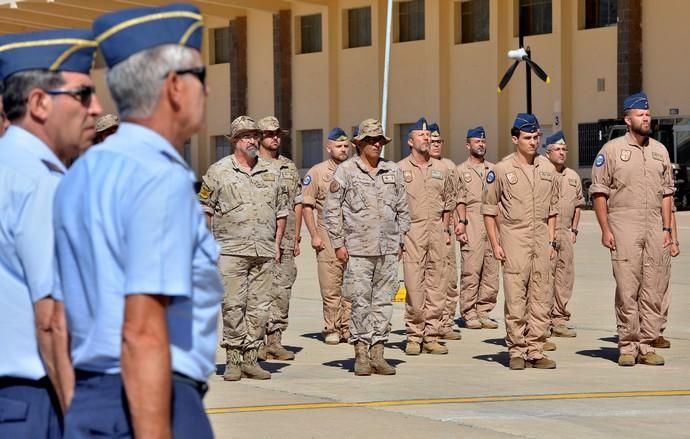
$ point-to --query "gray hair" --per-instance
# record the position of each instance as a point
(135, 83)
(17, 88)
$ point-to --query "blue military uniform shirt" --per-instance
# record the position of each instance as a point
(127, 221)
(29, 175)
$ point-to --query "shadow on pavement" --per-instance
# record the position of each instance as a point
(399, 345)
(272, 366)
(496, 341)
(612, 339)
(399, 332)
(605, 353)
(293, 349)
(502, 358)
(314, 336)
(349, 363)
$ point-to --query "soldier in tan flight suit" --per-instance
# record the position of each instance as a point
(448, 329)
(521, 200)
(570, 201)
(246, 204)
(430, 198)
(285, 271)
(336, 308)
(366, 216)
(632, 188)
(479, 275)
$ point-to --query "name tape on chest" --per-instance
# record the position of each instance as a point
(437, 175)
(388, 179)
(546, 176)
(658, 156)
(268, 177)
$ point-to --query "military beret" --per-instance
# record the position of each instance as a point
(123, 33)
(556, 139)
(477, 132)
(435, 130)
(637, 101)
(420, 125)
(69, 50)
(526, 122)
(337, 134)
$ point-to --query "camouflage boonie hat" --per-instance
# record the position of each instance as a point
(270, 123)
(371, 128)
(242, 124)
(106, 121)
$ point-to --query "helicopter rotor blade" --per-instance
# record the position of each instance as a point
(507, 76)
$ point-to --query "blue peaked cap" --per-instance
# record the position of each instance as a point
(556, 139)
(69, 50)
(337, 134)
(637, 101)
(435, 129)
(123, 33)
(477, 132)
(526, 122)
(420, 125)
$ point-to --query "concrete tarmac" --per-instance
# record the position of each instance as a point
(471, 391)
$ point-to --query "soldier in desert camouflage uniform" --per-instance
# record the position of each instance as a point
(366, 216)
(246, 202)
(285, 271)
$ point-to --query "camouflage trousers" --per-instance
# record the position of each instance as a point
(284, 275)
(248, 292)
(370, 284)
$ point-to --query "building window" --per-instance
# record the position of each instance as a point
(403, 131)
(312, 147)
(358, 27)
(223, 147)
(222, 42)
(410, 20)
(600, 13)
(309, 33)
(534, 17)
(471, 21)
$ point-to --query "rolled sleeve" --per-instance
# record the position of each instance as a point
(601, 175)
(208, 193)
(491, 196)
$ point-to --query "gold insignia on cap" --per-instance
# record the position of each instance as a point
(153, 17)
(424, 125)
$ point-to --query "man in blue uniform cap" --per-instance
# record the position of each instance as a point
(138, 263)
(48, 98)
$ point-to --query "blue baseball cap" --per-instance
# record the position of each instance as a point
(70, 50)
(477, 132)
(420, 125)
(526, 122)
(637, 101)
(337, 134)
(435, 129)
(123, 33)
(556, 139)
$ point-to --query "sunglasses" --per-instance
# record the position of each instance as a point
(198, 72)
(83, 94)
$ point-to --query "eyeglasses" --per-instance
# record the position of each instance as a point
(269, 134)
(374, 140)
(199, 72)
(83, 94)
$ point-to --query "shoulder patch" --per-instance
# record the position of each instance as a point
(490, 177)
(335, 186)
(205, 192)
(599, 161)
(307, 180)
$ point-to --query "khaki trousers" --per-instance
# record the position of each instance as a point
(336, 309)
(478, 278)
(666, 294)
(452, 292)
(563, 278)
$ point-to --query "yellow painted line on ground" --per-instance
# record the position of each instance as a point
(461, 400)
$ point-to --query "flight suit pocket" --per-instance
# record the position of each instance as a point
(617, 257)
(12, 410)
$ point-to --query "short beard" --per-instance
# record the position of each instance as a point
(252, 153)
(640, 132)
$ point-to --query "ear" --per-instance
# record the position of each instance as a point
(174, 88)
(39, 104)
(514, 140)
(409, 140)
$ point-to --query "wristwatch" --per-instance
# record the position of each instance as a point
(676, 243)
(463, 221)
(554, 244)
(574, 231)
(667, 229)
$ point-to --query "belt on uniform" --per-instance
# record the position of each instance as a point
(199, 386)
(12, 381)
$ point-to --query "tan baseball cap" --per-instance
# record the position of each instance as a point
(270, 123)
(106, 121)
(371, 128)
(242, 124)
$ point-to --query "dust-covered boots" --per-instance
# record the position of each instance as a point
(379, 365)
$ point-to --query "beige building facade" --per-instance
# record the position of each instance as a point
(317, 64)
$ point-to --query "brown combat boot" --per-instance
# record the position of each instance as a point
(542, 363)
(362, 366)
(517, 363)
(378, 364)
(250, 367)
(233, 362)
(274, 348)
(412, 348)
(661, 343)
(434, 348)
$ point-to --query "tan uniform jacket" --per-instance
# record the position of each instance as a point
(367, 212)
(316, 185)
(452, 171)
(522, 198)
(291, 180)
(569, 199)
(471, 183)
(244, 205)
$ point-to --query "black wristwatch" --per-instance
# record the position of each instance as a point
(554, 244)
(667, 229)
(463, 221)
(574, 231)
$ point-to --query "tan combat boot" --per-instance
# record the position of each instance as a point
(542, 363)
(473, 324)
(661, 343)
(626, 360)
(250, 367)
(434, 348)
(274, 348)
(362, 367)
(563, 331)
(488, 323)
(650, 359)
(233, 362)
(412, 348)
(549, 346)
(450, 334)
(378, 364)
